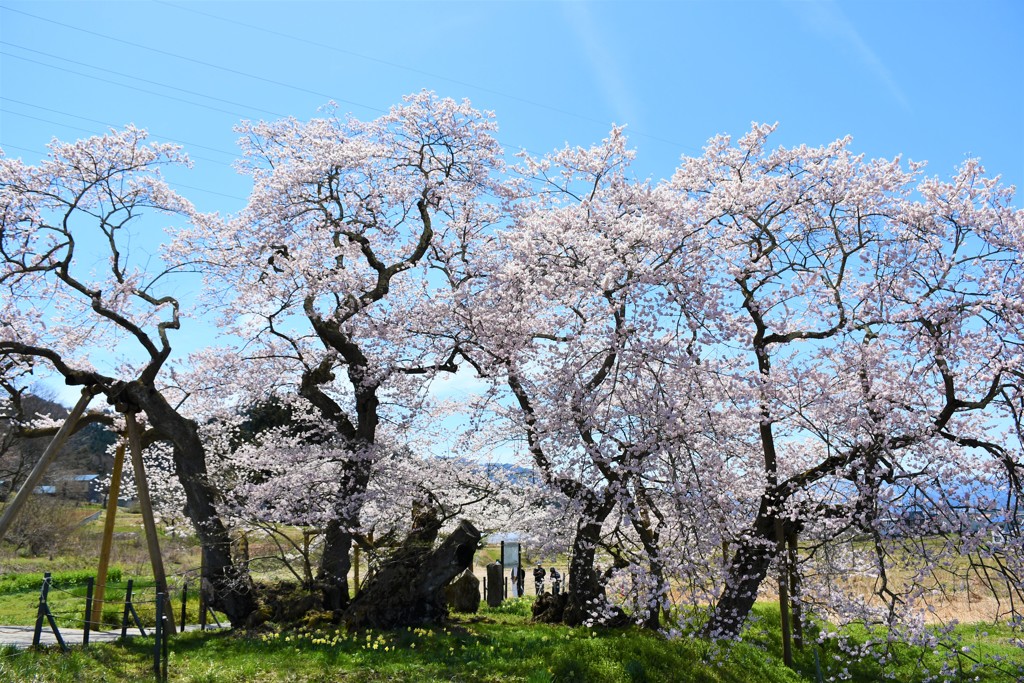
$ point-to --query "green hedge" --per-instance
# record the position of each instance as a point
(32, 581)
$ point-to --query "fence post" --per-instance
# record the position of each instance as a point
(184, 602)
(44, 612)
(41, 611)
(163, 673)
(127, 607)
(159, 633)
(88, 610)
(202, 592)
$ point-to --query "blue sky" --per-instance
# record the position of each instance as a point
(932, 80)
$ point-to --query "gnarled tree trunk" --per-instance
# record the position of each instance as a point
(747, 569)
(408, 590)
(231, 589)
(586, 596)
(334, 566)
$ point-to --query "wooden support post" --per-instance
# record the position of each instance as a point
(146, 507)
(36, 475)
(780, 545)
(108, 536)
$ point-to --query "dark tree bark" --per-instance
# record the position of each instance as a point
(586, 588)
(747, 569)
(650, 539)
(408, 590)
(334, 566)
(231, 586)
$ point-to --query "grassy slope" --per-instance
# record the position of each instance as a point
(498, 645)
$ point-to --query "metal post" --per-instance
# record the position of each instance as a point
(41, 611)
(163, 672)
(36, 475)
(157, 648)
(184, 603)
(127, 607)
(88, 610)
(202, 592)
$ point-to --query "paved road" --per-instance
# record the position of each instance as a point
(21, 636)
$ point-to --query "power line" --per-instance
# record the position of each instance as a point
(404, 67)
(94, 132)
(307, 90)
(139, 78)
(226, 69)
(188, 59)
(111, 125)
(6, 146)
(207, 64)
(123, 85)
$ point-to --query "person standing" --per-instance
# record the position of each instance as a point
(538, 578)
(516, 576)
(556, 581)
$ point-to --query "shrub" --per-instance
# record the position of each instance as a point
(32, 581)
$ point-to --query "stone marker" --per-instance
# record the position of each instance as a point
(463, 594)
(495, 584)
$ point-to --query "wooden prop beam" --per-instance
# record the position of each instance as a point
(36, 475)
(148, 521)
(108, 536)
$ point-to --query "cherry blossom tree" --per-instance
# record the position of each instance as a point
(577, 319)
(337, 277)
(872, 315)
(78, 290)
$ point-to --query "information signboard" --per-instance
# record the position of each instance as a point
(510, 554)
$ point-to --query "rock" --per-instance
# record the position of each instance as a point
(548, 608)
(463, 594)
(258, 617)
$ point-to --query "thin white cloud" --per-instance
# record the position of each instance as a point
(603, 62)
(827, 17)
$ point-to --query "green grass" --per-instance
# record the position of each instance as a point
(19, 599)
(496, 645)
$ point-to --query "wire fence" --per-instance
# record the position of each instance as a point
(145, 609)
